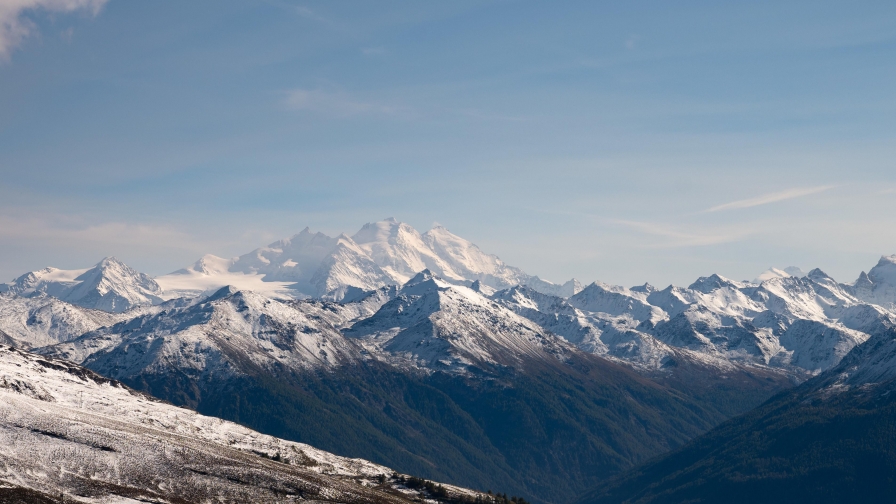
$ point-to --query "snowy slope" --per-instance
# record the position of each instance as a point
(43, 320)
(616, 337)
(110, 285)
(878, 286)
(434, 324)
(66, 430)
(211, 273)
(219, 338)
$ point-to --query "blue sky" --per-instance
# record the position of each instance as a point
(620, 141)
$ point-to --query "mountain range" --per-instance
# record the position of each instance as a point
(423, 353)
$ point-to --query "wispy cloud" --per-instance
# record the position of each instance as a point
(62, 230)
(336, 104)
(675, 238)
(766, 199)
(307, 13)
(14, 27)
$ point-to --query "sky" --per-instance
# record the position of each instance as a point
(626, 142)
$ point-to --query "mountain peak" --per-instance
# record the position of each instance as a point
(710, 283)
(110, 261)
(421, 277)
(223, 292)
(885, 260)
(646, 288)
(790, 271)
(816, 274)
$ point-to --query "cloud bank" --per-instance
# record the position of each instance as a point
(14, 27)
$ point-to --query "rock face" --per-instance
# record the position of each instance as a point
(67, 431)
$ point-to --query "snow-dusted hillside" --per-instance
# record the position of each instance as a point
(65, 430)
(41, 320)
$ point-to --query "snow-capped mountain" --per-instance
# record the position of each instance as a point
(67, 431)
(615, 336)
(878, 286)
(801, 324)
(306, 265)
(110, 286)
(225, 335)
(437, 324)
(381, 253)
(790, 271)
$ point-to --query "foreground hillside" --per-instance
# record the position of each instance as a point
(66, 431)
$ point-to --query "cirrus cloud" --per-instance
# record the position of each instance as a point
(14, 27)
(766, 199)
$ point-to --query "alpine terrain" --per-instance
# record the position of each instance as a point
(421, 352)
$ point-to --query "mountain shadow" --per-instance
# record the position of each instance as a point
(823, 442)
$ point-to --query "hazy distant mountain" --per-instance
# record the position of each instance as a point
(878, 286)
(381, 253)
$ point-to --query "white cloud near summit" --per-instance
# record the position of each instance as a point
(15, 27)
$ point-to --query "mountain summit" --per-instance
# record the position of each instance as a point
(387, 252)
(110, 285)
